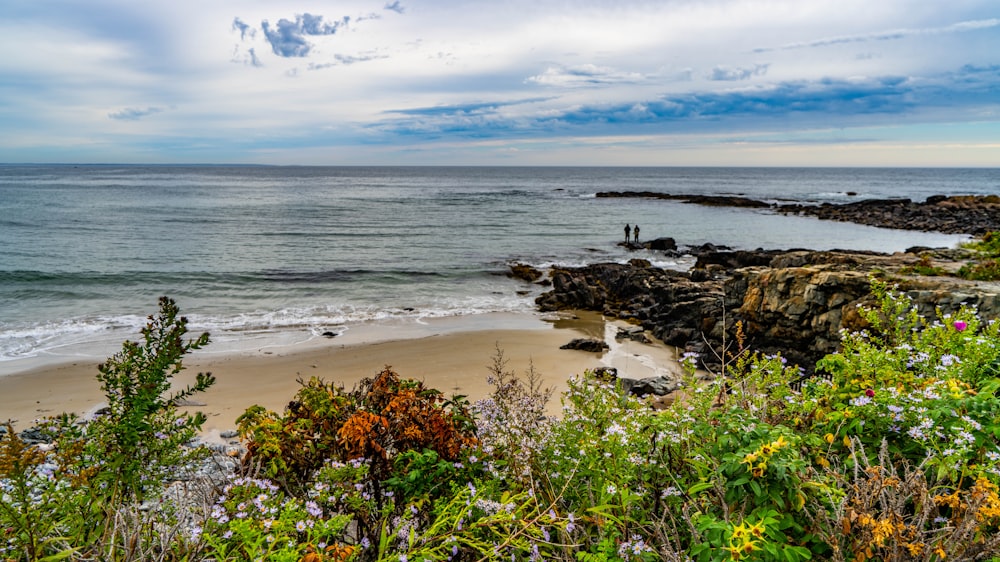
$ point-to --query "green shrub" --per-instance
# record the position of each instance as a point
(83, 495)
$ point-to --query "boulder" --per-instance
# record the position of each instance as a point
(525, 272)
(650, 386)
(661, 244)
(582, 344)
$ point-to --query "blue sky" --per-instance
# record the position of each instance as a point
(521, 82)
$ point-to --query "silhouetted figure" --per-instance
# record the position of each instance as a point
(635, 233)
(628, 233)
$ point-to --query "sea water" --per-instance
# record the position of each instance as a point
(289, 253)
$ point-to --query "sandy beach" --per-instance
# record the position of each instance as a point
(452, 355)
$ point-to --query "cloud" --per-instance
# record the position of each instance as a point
(465, 108)
(395, 6)
(249, 57)
(888, 35)
(345, 60)
(134, 113)
(726, 73)
(244, 29)
(288, 38)
(583, 75)
(811, 102)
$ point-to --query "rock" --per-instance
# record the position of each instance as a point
(605, 374)
(524, 272)
(710, 200)
(34, 436)
(633, 333)
(956, 214)
(581, 344)
(792, 302)
(650, 386)
(662, 244)
(329, 334)
(231, 434)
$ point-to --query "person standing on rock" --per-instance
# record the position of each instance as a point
(635, 233)
(628, 233)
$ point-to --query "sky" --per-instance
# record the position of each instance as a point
(520, 82)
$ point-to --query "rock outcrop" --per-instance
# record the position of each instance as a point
(794, 302)
(957, 214)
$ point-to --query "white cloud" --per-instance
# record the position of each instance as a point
(179, 71)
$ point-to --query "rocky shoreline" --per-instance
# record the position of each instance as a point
(794, 302)
(974, 215)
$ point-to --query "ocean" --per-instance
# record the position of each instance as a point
(277, 255)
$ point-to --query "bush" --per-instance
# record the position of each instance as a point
(74, 497)
(892, 454)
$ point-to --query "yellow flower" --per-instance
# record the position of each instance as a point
(758, 471)
(847, 441)
(779, 443)
(829, 438)
(741, 533)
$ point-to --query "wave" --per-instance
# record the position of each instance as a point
(98, 336)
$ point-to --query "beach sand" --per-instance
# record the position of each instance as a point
(452, 356)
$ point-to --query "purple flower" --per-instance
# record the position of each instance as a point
(870, 393)
(960, 325)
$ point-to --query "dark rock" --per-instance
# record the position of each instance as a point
(650, 386)
(736, 259)
(329, 334)
(34, 436)
(582, 344)
(710, 200)
(662, 244)
(795, 302)
(634, 333)
(605, 374)
(524, 272)
(955, 214)
(231, 434)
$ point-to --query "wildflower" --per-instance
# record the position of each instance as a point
(870, 393)
(300, 526)
(960, 326)
(862, 400)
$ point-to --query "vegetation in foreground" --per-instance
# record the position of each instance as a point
(897, 457)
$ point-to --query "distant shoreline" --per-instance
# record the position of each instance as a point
(956, 214)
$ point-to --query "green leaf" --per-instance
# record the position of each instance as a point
(699, 487)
